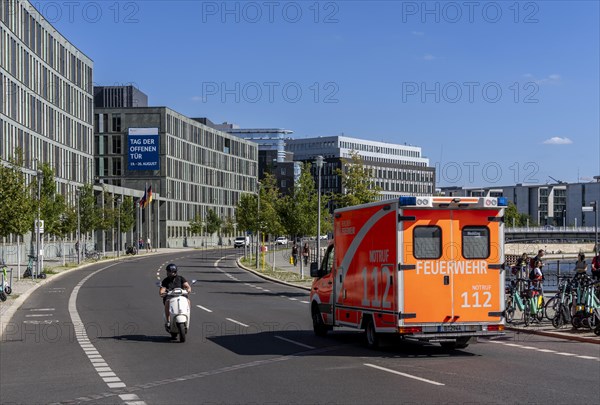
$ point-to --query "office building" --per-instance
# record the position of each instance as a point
(191, 167)
(46, 104)
(397, 169)
(119, 97)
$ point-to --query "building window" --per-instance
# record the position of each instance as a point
(116, 122)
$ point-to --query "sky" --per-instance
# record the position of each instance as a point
(494, 92)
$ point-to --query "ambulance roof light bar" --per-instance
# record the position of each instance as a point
(462, 202)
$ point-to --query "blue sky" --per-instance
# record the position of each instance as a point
(495, 93)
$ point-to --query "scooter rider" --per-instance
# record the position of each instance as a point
(170, 282)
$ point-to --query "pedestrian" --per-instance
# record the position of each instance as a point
(148, 245)
(140, 244)
(581, 264)
(520, 269)
(537, 257)
(305, 253)
(294, 254)
(596, 266)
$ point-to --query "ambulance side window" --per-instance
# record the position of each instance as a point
(428, 242)
(327, 264)
(476, 242)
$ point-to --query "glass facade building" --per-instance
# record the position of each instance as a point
(46, 102)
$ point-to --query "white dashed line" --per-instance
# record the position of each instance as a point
(237, 322)
(403, 374)
(203, 308)
(102, 368)
(294, 342)
(546, 351)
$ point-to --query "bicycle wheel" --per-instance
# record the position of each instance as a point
(509, 312)
(551, 307)
(526, 312)
(540, 312)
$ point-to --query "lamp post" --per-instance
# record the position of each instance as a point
(78, 196)
(118, 227)
(319, 163)
(39, 177)
(258, 225)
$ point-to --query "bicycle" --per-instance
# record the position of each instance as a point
(558, 308)
(30, 270)
(533, 305)
(92, 255)
(513, 298)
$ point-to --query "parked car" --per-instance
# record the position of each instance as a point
(282, 240)
(241, 241)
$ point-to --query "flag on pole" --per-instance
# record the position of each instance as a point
(143, 200)
(149, 198)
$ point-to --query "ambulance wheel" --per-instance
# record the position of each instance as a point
(371, 337)
(319, 326)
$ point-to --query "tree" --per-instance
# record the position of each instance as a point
(16, 202)
(127, 214)
(513, 217)
(213, 222)
(357, 183)
(270, 199)
(228, 227)
(196, 225)
(89, 215)
(298, 212)
(53, 206)
(245, 213)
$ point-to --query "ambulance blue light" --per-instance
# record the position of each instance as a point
(502, 202)
(408, 200)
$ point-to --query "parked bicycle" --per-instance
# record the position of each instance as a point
(5, 288)
(514, 297)
(29, 271)
(533, 305)
(92, 255)
(558, 308)
(587, 304)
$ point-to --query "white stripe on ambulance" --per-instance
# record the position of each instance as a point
(434, 267)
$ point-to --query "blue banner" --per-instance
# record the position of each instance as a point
(142, 149)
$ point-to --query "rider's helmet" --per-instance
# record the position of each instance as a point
(171, 268)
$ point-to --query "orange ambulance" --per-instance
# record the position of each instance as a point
(424, 268)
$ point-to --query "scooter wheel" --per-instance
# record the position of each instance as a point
(42, 275)
(3, 296)
(7, 290)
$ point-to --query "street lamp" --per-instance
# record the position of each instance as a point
(39, 177)
(118, 227)
(319, 163)
(258, 225)
(78, 249)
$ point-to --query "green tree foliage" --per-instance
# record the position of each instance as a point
(270, 199)
(127, 214)
(89, 214)
(228, 226)
(196, 225)
(16, 202)
(53, 207)
(357, 183)
(299, 211)
(245, 213)
(512, 216)
(213, 222)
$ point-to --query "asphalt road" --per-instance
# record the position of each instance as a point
(96, 336)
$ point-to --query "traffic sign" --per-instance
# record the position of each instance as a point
(39, 229)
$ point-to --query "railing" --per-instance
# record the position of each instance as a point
(544, 229)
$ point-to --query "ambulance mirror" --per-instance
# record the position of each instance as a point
(314, 270)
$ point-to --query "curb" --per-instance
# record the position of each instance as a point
(275, 280)
(559, 335)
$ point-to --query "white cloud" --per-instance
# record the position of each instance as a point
(550, 79)
(418, 33)
(428, 56)
(557, 140)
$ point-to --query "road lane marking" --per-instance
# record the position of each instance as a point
(42, 309)
(88, 348)
(546, 350)
(37, 315)
(294, 342)
(203, 308)
(414, 377)
(239, 323)
(305, 302)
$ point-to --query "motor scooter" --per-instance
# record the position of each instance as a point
(179, 313)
